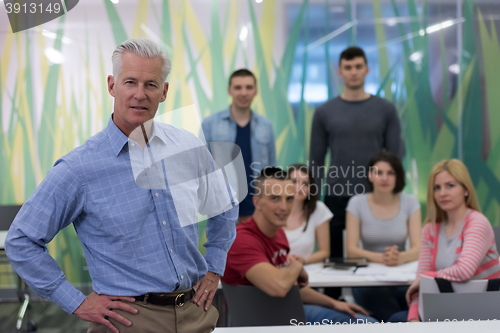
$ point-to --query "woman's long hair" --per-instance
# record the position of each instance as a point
(459, 171)
(309, 205)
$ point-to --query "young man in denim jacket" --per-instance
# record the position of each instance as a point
(251, 132)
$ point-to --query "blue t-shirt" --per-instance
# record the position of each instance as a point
(243, 141)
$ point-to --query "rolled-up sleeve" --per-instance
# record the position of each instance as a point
(54, 205)
(221, 232)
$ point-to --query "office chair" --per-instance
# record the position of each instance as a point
(445, 300)
(249, 306)
(7, 215)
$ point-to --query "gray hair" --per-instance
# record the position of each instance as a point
(144, 48)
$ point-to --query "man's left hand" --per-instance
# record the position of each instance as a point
(205, 290)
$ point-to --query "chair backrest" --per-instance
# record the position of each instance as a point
(469, 300)
(249, 306)
(7, 215)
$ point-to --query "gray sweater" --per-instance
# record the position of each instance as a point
(354, 132)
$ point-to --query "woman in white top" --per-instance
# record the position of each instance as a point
(383, 220)
(308, 222)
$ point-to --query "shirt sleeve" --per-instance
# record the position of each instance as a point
(54, 205)
(424, 264)
(217, 200)
(477, 239)
(413, 205)
(321, 214)
(392, 137)
(353, 206)
(207, 134)
(246, 253)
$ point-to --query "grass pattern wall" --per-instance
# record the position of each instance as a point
(48, 109)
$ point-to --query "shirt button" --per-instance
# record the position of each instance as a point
(132, 144)
(182, 277)
(157, 195)
(171, 250)
(149, 166)
(164, 222)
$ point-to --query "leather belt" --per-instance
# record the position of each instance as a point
(164, 299)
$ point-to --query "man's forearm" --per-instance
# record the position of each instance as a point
(311, 296)
(40, 271)
(221, 232)
(287, 276)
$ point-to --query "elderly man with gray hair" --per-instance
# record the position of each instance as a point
(147, 272)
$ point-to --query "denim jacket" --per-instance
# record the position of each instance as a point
(220, 127)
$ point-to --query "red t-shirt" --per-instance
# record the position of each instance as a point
(252, 247)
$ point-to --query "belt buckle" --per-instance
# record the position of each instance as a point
(176, 298)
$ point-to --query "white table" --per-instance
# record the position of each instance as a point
(451, 327)
(377, 275)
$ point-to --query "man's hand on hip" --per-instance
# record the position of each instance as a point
(205, 290)
(98, 308)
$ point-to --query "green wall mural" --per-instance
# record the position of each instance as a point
(439, 62)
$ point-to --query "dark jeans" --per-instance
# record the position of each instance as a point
(325, 316)
(337, 225)
(382, 302)
(399, 317)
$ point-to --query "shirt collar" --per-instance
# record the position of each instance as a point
(226, 114)
(159, 134)
(116, 137)
(118, 140)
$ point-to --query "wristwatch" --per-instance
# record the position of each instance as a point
(218, 275)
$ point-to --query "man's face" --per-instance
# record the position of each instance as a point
(137, 90)
(243, 91)
(275, 201)
(353, 72)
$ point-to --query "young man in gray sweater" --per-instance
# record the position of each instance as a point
(354, 126)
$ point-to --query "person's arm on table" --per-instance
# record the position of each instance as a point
(311, 296)
(475, 246)
(323, 237)
(56, 202)
(392, 256)
(476, 243)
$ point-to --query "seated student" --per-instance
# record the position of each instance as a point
(458, 243)
(260, 254)
(309, 220)
(383, 219)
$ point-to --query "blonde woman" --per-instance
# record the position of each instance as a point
(458, 243)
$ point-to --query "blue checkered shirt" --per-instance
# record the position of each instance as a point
(132, 238)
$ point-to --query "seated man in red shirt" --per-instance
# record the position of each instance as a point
(260, 254)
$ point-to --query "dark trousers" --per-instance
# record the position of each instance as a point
(337, 225)
(381, 302)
